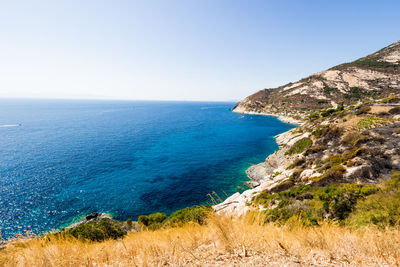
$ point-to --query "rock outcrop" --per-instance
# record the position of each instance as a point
(354, 144)
(374, 76)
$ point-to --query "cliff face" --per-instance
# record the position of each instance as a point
(350, 132)
(354, 144)
(371, 77)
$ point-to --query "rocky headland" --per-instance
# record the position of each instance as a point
(349, 131)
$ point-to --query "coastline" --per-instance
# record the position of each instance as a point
(261, 175)
(281, 117)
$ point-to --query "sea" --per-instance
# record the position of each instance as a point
(63, 159)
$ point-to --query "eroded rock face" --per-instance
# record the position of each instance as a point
(331, 159)
(377, 74)
(340, 153)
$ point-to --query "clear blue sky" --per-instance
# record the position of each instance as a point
(181, 50)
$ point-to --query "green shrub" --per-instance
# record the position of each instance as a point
(296, 191)
(369, 122)
(296, 162)
(340, 107)
(332, 174)
(352, 153)
(157, 217)
(196, 214)
(329, 90)
(354, 139)
(331, 133)
(315, 149)
(265, 198)
(344, 157)
(381, 209)
(299, 146)
(335, 159)
(320, 129)
(295, 175)
(355, 93)
(313, 116)
(98, 231)
(312, 204)
(157, 220)
(153, 220)
(144, 220)
(340, 199)
(327, 112)
(373, 63)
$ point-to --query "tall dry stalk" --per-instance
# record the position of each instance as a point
(224, 241)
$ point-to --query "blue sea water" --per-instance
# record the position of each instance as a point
(63, 159)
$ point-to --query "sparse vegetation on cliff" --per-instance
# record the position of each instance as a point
(381, 209)
(313, 204)
(368, 78)
(300, 146)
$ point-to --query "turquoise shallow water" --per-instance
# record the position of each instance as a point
(62, 159)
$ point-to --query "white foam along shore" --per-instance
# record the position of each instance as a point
(237, 204)
(281, 117)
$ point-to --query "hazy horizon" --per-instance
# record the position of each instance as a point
(180, 50)
(90, 98)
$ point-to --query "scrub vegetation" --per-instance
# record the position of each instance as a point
(221, 241)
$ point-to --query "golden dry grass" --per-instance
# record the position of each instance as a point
(380, 109)
(351, 123)
(222, 242)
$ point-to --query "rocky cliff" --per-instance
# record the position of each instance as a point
(349, 133)
(371, 77)
(352, 144)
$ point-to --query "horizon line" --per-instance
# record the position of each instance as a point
(113, 99)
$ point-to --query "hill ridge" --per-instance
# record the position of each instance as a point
(374, 76)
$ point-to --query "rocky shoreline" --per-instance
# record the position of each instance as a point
(265, 175)
(281, 117)
(356, 144)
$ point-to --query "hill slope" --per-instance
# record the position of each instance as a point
(374, 76)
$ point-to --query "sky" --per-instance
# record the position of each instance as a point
(212, 50)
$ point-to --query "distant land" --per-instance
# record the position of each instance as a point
(374, 76)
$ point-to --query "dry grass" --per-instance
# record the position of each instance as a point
(222, 242)
(380, 109)
(351, 122)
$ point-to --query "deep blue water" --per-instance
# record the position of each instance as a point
(70, 158)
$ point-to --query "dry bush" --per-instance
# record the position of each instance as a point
(223, 241)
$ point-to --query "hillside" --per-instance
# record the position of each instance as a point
(374, 76)
(349, 134)
(351, 144)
